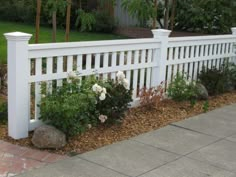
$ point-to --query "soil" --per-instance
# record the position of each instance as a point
(137, 121)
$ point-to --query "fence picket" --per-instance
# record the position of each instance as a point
(145, 62)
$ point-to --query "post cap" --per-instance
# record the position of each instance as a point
(17, 36)
(157, 33)
(233, 30)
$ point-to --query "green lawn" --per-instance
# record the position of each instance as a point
(45, 35)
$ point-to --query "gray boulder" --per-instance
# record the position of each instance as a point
(48, 137)
(202, 93)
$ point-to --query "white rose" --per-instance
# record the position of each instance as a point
(126, 84)
(120, 75)
(72, 74)
(104, 90)
(99, 89)
(95, 87)
(102, 96)
(102, 118)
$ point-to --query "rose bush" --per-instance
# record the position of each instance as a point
(79, 105)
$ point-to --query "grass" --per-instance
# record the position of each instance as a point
(46, 35)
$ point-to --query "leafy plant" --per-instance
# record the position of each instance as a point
(74, 107)
(232, 74)
(117, 100)
(3, 112)
(206, 106)
(215, 80)
(207, 16)
(86, 20)
(142, 10)
(70, 108)
(150, 98)
(182, 90)
(104, 22)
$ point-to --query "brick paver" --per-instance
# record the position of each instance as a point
(15, 159)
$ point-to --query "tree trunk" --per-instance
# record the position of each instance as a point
(154, 20)
(68, 14)
(54, 26)
(37, 24)
(173, 14)
(166, 18)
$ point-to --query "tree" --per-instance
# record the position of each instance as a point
(54, 7)
(205, 16)
(172, 19)
(166, 18)
(38, 12)
(68, 14)
(143, 10)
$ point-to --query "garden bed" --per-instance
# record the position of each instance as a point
(138, 120)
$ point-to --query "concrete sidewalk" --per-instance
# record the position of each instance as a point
(202, 146)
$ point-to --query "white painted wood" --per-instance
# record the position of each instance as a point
(149, 60)
(69, 63)
(122, 58)
(170, 54)
(169, 74)
(142, 72)
(38, 88)
(49, 71)
(113, 64)
(97, 63)
(59, 69)
(105, 64)
(135, 74)
(143, 60)
(195, 71)
(187, 52)
(190, 74)
(18, 86)
(160, 57)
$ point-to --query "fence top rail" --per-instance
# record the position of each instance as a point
(202, 38)
(103, 43)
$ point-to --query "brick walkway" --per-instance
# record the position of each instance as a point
(15, 159)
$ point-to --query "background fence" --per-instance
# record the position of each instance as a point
(146, 63)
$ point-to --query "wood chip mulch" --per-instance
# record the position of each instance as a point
(138, 120)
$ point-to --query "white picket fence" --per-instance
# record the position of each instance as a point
(146, 63)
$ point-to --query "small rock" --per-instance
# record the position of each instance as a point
(48, 137)
(202, 93)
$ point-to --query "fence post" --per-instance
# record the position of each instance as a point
(160, 57)
(234, 46)
(18, 86)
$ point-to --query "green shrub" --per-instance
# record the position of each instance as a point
(115, 105)
(85, 20)
(105, 23)
(18, 11)
(3, 112)
(182, 90)
(96, 21)
(73, 108)
(206, 16)
(215, 80)
(232, 74)
(69, 108)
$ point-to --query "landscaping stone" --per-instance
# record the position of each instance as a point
(48, 137)
(202, 92)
